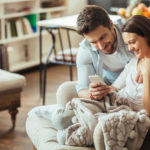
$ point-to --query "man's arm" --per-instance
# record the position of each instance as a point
(84, 93)
(84, 69)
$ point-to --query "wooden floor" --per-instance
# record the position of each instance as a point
(18, 139)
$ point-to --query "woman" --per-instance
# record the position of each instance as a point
(136, 34)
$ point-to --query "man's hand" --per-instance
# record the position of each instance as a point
(97, 90)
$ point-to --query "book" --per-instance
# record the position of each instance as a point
(33, 21)
(13, 28)
(19, 28)
(43, 16)
(8, 30)
(26, 26)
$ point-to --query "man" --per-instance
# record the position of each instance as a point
(102, 52)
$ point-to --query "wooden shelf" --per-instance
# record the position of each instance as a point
(54, 9)
(16, 39)
(23, 65)
(18, 14)
(14, 9)
(12, 1)
(40, 10)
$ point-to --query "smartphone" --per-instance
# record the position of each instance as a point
(96, 78)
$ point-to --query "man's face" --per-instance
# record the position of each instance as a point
(103, 39)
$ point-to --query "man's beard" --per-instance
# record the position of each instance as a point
(111, 51)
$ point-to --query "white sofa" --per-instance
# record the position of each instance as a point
(43, 134)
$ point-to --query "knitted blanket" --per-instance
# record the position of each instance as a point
(122, 128)
(84, 121)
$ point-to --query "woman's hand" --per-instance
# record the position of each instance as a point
(97, 90)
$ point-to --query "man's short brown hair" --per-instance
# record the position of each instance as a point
(91, 17)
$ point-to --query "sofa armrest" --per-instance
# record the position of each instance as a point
(66, 92)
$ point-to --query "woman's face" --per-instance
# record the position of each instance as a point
(137, 44)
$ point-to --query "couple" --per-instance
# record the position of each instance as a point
(105, 51)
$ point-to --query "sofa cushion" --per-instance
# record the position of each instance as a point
(10, 80)
(43, 135)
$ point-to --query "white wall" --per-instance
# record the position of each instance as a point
(75, 6)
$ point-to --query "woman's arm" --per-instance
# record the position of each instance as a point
(120, 82)
(146, 92)
(145, 68)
